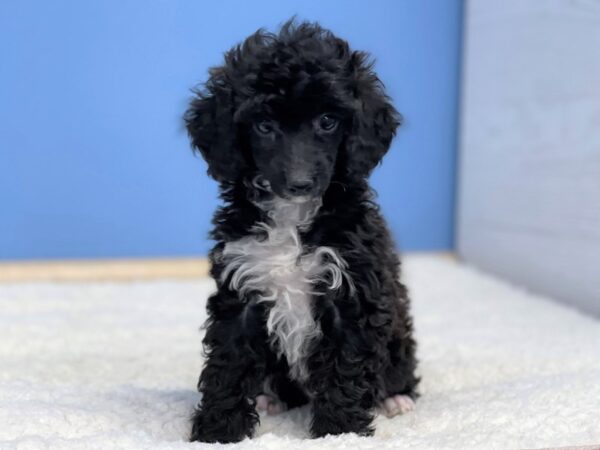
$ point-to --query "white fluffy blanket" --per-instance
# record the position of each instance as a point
(110, 366)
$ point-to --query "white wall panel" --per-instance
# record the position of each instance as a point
(529, 193)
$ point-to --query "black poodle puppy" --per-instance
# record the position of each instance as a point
(309, 306)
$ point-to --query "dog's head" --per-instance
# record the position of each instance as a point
(295, 110)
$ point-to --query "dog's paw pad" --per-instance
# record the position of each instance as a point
(268, 404)
(262, 402)
(398, 404)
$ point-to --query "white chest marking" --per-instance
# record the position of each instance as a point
(272, 266)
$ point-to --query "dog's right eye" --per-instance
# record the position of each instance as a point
(327, 123)
(264, 127)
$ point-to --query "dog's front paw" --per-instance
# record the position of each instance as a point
(222, 426)
(337, 422)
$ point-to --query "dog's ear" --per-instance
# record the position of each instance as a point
(210, 125)
(374, 121)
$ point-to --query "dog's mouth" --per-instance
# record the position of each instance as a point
(295, 198)
(300, 198)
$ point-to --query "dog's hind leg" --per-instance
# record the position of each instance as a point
(268, 401)
(289, 392)
(280, 393)
(269, 404)
(397, 404)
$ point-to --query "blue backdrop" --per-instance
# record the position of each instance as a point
(94, 161)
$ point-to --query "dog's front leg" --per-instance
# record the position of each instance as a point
(342, 384)
(233, 373)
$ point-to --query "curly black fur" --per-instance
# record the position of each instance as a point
(365, 351)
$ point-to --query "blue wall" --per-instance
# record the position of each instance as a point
(94, 161)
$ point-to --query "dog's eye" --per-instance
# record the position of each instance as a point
(264, 127)
(327, 122)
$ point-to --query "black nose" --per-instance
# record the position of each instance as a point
(301, 187)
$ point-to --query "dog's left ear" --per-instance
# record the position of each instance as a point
(374, 122)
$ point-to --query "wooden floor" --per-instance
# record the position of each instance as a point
(99, 270)
(111, 269)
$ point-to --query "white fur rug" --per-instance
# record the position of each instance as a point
(110, 366)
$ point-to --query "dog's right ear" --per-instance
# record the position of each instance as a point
(210, 125)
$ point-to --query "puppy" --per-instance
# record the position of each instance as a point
(309, 306)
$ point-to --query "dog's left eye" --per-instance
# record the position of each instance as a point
(327, 122)
(264, 127)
